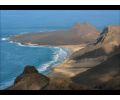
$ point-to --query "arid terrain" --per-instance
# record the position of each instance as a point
(80, 33)
(94, 63)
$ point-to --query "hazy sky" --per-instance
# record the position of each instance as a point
(36, 18)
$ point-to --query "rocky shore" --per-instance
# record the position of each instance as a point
(94, 66)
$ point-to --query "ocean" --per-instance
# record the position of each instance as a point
(15, 56)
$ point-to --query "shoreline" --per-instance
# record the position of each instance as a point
(70, 49)
(59, 52)
(60, 69)
(59, 65)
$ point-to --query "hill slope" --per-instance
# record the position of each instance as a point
(105, 74)
(80, 33)
(95, 67)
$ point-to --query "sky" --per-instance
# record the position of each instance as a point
(39, 18)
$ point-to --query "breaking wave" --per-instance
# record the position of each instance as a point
(4, 39)
(59, 55)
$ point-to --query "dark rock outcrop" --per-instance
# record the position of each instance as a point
(30, 79)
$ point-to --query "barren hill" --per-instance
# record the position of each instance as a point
(95, 67)
(106, 44)
(104, 74)
(80, 33)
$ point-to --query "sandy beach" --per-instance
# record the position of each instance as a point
(64, 69)
(60, 50)
(73, 48)
(83, 64)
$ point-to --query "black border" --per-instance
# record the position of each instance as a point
(59, 92)
(60, 7)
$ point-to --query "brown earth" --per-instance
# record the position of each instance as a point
(92, 67)
(30, 79)
(80, 33)
(104, 74)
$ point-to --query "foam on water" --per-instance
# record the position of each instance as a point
(4, 39)
(59, 56)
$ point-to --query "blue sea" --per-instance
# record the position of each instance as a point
(15, 56)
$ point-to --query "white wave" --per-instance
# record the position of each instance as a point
(11, 42)
(45, 66)
(20, 44)
(4, 39)
(58, 57)
(33, 45)
(26, 45)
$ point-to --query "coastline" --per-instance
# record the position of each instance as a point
(59, 66)
(73, 48)
(58, 69)
(61, 70)
(59, 56)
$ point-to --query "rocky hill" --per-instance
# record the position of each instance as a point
(95, 67)
(80, 33)
(106, 44)
(30, 79)
(105, 58)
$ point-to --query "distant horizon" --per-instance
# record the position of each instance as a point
(61, 18)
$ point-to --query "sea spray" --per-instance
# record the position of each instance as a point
(60, 55)
(16, 59)
(4, 39)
